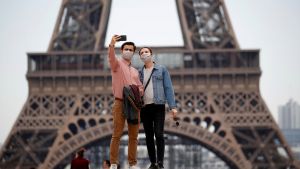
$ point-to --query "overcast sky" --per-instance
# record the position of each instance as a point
(269, 25)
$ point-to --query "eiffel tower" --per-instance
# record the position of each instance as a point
(216, 85)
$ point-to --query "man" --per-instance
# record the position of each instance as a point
(122, 74)
(80, 162)
(106, 164)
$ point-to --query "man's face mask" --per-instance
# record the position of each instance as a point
(127, 54)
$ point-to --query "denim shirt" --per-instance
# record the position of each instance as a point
(162, 85)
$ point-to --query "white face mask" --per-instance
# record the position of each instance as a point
(146, 57)
(127, 55)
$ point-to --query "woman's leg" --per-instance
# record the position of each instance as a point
(147, 119)
(159, 122)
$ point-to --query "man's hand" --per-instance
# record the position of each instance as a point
(114, 39)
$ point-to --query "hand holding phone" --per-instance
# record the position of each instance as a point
(122, 38)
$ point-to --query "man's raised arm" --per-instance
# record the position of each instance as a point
(111, 53)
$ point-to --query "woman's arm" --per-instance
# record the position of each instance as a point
(168, 88)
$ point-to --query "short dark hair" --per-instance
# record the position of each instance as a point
(146, 48)
(128, 43)
(81, 152)
(107, 162)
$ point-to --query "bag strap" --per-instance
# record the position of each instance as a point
(148, 80)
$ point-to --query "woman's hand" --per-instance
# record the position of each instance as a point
(174, 113)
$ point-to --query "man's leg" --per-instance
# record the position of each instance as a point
(133, 131)
(119, 122)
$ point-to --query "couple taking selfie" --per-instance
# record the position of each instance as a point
(152, 83)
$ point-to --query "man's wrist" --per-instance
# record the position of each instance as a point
(111, 45)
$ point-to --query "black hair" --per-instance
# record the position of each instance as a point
(146, 48)
(81, 152)
(128, 43)
(107, 162)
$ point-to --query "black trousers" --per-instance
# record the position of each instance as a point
(153, 119)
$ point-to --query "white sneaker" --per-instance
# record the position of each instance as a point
(113, 166)
(133, 167)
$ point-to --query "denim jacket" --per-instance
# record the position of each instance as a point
(162, 85)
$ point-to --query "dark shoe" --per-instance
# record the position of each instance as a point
(153, 166)
(160, 165)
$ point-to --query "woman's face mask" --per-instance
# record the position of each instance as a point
(146, 57)
(127, 55)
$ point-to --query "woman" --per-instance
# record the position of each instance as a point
(158, 90)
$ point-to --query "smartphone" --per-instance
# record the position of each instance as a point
(123, 38)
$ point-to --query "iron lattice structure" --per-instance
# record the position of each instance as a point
(216, 85)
